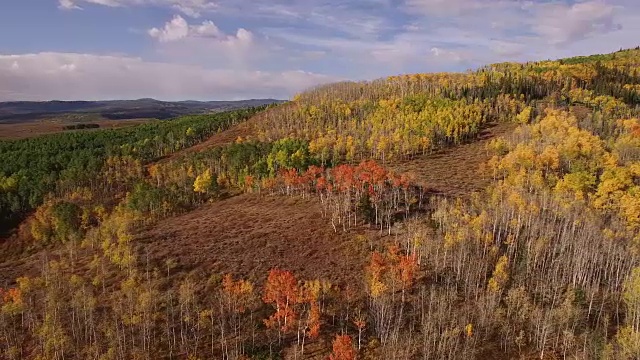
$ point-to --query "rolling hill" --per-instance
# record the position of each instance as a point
(24, 111)
(491, 214)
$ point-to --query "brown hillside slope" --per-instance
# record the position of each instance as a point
(454, 171)
(247, 235)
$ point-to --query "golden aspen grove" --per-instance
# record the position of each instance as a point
(327, 227)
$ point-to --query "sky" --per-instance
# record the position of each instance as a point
(241, 49)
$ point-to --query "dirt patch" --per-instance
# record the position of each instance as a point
(454, 171)
(248, 235)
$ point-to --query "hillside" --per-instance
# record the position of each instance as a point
(492, 214)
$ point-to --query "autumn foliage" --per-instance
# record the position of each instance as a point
(281, 290)
(343, 348)
(543, 262)
(352, 195)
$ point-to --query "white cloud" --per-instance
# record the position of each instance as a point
(445, 55)
(562, 23)
(412, 50)
(521, 30)
(366, 39)
(68, 67)
(192, 8)
(68, 5)
(208, 28)
(71, 4)
(70, 76)
(507, 48)
(449, 7)
(206, 44)
(178, 29)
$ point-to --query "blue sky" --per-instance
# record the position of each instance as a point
(234, 49)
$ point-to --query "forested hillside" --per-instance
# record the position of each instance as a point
(327, 227)
(61, 162)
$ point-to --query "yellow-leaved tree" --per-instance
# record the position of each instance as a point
(628, 336)
(202, 184)
(500, 275)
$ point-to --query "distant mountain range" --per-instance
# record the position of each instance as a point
(25, 111)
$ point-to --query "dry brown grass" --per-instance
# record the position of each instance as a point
(454, 171)
(19, 256)
(247, 235)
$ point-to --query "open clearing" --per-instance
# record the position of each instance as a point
(250, 234)
(454, 171)
(247, 235)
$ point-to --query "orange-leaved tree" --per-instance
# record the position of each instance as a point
(343, 348)
(282, 291)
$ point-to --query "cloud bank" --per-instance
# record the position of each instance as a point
(68, 76)
(237, 48)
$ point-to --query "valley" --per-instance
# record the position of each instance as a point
(24, 119)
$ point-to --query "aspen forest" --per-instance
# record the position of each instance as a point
(326, 227)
